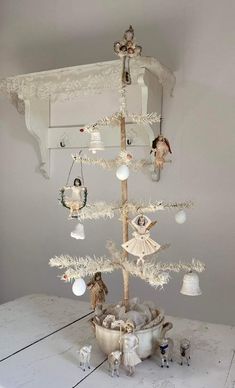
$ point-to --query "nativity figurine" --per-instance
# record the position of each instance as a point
(98, 290)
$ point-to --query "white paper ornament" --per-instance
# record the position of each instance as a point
(180, 217)
(122, 172)
(78, 232)
(79, 287)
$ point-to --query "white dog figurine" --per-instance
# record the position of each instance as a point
(84, 357)
(185, 351)
(114, 360)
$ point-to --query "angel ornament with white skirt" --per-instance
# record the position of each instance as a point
(141, 244)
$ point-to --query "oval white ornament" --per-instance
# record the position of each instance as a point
(79, 287)
(122, 172)
(180, 217)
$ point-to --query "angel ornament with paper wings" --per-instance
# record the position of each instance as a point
(141, 244)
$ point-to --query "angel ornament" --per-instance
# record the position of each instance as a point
(129, 343)
(141, 244)
(160, 148)
(74, 197)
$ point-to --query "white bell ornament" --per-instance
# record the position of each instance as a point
(78, 233)
(191, 285)
(96, 144)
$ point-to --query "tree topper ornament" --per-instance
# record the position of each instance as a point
(160, 148)
(126, 49)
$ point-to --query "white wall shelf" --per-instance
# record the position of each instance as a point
(58, 103)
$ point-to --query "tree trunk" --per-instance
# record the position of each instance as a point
(124, 190)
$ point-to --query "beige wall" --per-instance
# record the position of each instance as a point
(193, 38)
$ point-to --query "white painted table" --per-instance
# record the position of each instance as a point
(39, 336)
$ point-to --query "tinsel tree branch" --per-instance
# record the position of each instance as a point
(124, 157)
(81, 266)
(195, 265)
(114, 119)
(154, 273)
(148, 118)
(152, 207)
(148, 272)
(96, 210)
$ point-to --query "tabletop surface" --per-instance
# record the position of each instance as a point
(40, 336)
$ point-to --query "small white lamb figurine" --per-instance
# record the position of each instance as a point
(114, 360)
(166, 346)
(84, 357)
(185, 351)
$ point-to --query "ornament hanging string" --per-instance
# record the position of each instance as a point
(70, 170)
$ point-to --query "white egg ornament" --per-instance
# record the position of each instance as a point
(122, 172)
(79, 287)
(180, 217)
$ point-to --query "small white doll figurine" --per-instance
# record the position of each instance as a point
(84, 357)
(141, 245)
(74, 197)
(130, 343)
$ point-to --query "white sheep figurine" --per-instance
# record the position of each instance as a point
(85, 357)
(114, 360)
(185, 351)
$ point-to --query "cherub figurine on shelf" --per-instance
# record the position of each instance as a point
(74, 197)
(160, 148)
(129, 343)
(141, 245)
(98, 290)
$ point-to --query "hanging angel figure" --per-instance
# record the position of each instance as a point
(160, 148)
(74, 197)
(141, 245)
